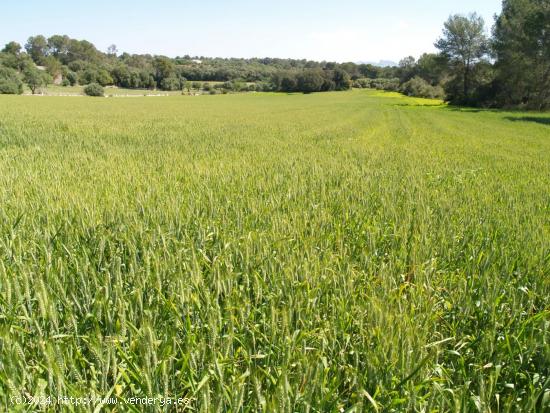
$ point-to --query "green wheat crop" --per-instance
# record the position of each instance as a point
(356, 251)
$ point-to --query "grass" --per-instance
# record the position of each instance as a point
(354, 251)
(55, 90)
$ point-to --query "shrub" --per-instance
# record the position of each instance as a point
(71, 77)
(239, 86)
(94, 89)
(391, 85)
(362, 83)
(420, 88)
(9, 82)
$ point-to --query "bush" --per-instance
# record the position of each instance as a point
(391, 85)
(94, 89)
(9, 82)
(420, 88)
(363, 83)
(71, 77)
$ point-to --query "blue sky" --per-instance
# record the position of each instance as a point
(344, 30)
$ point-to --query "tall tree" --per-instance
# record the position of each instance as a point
(432, 67)
(521, 43)
(59, 46)
(12, 48)
(464, 42)
(34, 78)
(407, 68)
(37, 48)
(112, 50)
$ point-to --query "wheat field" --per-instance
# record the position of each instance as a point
(337, 252)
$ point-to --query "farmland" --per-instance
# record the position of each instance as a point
(344, 251)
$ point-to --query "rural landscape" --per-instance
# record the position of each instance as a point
(216, 234)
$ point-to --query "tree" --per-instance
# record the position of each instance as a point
(164, 68)
(10, 83)
(407, 68)
(37, 48)
(341, 79)
(521, 44)
(432, 68)
(310, 80)
(464, 42)
(82, 50)
(112, 50)
(34, 78)
(53, 66)
(13, 48)
(171, 83)
(288, 82)
(59, 46)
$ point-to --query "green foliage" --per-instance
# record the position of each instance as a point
(94, 89)
(71, 77)
(341, 79)
(10, 83)
(420, 88)
(407, 69)
(519, 77)
(95, 75)
(390, 85)
(310, 80)
(13, 48)
(164, 68)
(52, 65)
(37, 48)
(35, 78)
(464, 43)
(521, 45)
(171, 83)
(432, 67)
(333, 252)
(59, 46)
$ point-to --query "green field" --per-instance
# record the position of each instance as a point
(111, 91)
(353, 251)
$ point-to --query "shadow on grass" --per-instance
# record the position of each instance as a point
(536, 119)
(467, 109)
(425, 105)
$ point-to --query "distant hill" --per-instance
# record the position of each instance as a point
(380, 63)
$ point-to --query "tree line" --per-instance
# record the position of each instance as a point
(509, 68)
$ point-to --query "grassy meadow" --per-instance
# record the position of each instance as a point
(112, 91)
(337, 252)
